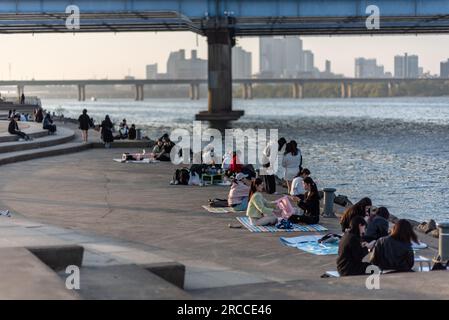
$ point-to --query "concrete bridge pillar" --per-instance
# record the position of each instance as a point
(139, 92)
(220, 42)
(81, 92)
(346, 90)
(390, 89)
(194, 92)
(297, 90)
(247, 91)
(20, 90)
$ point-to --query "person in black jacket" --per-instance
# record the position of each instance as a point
(395, 252)
(132, 134)
(85, 123)
(48, 124)
(378, 225)
(13, 128)
(106, 131)
(310, 203)
(352, 250)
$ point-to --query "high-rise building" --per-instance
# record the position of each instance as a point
(327, 68)
(368, 68)
(241, 63)
(281, 57)
(308, 61)
(406, 66)
(178, 67)
(151, 71)
(444, 69)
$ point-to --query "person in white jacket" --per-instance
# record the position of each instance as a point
(291, 162)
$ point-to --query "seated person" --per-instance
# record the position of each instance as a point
(48, 124)
(361, 209)
(310, 203)
(377, 225)
(238, 195)
(395, 252)
(160, 151)
(132, 134)
(122, 132)
(297, 187)
(13, 128)
(260, 211)
(352, 250)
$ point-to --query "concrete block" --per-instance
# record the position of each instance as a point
(59, 257)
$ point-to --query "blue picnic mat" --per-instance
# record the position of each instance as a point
(310, 244)
(296, 227)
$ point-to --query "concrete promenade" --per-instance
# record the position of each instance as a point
(129, 212)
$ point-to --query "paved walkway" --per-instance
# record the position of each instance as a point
(89, 192)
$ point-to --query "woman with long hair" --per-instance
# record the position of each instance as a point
(106, 131)
(291, 162)
(378, 225)
(352, 250)
(260, 211)
(360, 209)
(395, 252)
(309, 202)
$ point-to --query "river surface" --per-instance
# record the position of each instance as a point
(394, 150)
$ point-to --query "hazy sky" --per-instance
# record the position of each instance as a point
(58, 56)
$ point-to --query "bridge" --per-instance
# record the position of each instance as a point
(297, 84)
(221, 21)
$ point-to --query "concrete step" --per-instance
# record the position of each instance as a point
(62, 136)
(24, 276)
(66, 148)
(128, 282)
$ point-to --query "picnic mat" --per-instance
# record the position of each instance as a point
(146, 160)
(220, 210)
(310, 244)
(296, 227)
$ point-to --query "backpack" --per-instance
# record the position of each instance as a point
(182, 176)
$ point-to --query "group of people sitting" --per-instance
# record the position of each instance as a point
(125, 132)
(366, 229)
(13, 127)
(107, 131)
(162, 149)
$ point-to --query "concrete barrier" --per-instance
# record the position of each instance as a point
(59, 257)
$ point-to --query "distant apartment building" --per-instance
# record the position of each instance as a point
(241, 63)
(368, 68)
(444, 69)
(406, 66)
(151, 71)
(178, 67)
(281, 57)
(308, 61)
(327, 67)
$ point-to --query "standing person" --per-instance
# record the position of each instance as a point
(84, 124)
(22, 98)
(39, 117)
(13, 128)
(260, 211)
(297, 183)
(106, 131)
(269, 170)
(310, 203)
(291, 162)
(352, 250)
(394, 252)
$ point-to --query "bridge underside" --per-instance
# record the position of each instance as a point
(253, 26)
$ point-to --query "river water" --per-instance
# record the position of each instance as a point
(394, 150)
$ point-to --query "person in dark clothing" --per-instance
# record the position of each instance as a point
(395, 252)
(106, 131)
(351, 250)
(48, 124)
(132, 134)
(310, 203)
(39, 116)
(13, 128)
(378, 225)
(84, 124)
(360, 209)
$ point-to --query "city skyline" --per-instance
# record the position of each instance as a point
(115, 56)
